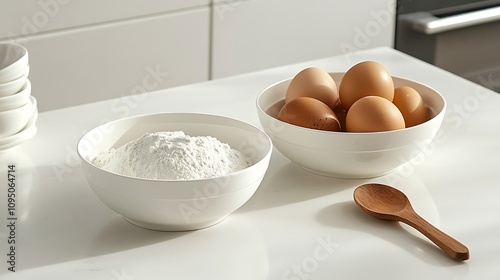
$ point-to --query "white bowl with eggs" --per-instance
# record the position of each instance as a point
(175, 205)
(349, 154)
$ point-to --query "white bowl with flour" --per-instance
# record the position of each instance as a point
(174, 171)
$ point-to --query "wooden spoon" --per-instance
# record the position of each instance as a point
(388, 203)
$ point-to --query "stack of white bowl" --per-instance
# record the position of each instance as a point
(18, 108)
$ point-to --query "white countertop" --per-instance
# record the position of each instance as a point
(297, 225)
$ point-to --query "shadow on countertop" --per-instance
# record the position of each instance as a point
(290, 183)
(347, 215)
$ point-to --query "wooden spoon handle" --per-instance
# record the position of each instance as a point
(448, 244)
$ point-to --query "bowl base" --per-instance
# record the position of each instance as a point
(345, 176)
(163, 227)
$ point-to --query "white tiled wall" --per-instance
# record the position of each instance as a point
(119, 59)
(24, 17)
(249, 35)
(91, 50)
(88, 50)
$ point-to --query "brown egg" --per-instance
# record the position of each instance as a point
(374, 114)
(309, 112)
(341, 114)
(411, 105)
(366, 78)
(316, 83)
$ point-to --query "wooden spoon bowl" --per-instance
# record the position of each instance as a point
(388, 203)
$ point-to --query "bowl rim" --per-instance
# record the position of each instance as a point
(29, 106)
(24, 92)
(233, 174)
(360, 134)
(22, 78)
(26, 133)
(19, 59)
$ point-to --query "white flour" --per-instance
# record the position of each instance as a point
(173, 156)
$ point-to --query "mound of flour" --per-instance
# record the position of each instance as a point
(173, 156)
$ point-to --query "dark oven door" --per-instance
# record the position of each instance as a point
(461, 36)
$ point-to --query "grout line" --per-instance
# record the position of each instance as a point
(210, 39)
